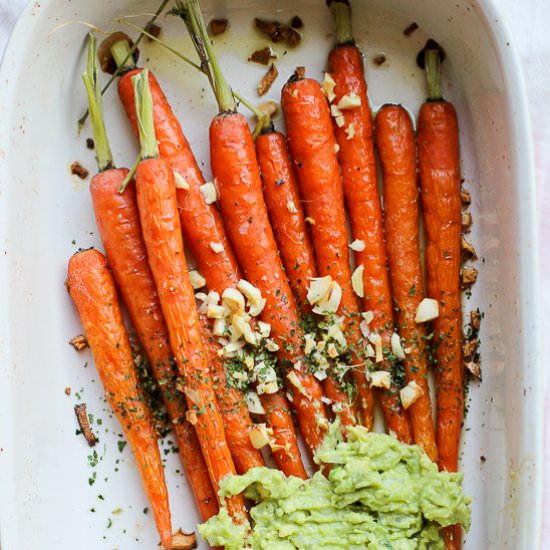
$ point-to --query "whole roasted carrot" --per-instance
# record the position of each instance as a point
(312, 148)
(201, 225)
(234, 165)
(156, 196)
(287, 218)
(93, 291)
(439, 166)
(118, 222)
(396, 147)
(353, 131)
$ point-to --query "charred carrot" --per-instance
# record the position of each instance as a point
(235, 167)
(353, 131)
(396, 147)
(287, 218)
(156, 197)
(93, 291)
(201, 225)
(118, 222)
(439, 167)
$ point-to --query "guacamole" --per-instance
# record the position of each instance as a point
(379, 494)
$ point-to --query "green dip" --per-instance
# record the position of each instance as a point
(380, 494)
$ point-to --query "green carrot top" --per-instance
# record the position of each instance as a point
(144, 112)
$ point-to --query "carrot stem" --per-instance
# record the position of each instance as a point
(432, 62)
(342, 20)
(83, 118)
(104, 157)
(191, 13)
(144, 112)
(130, 175)
(122, 56)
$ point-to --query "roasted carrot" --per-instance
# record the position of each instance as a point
(439, 167)
(311, 144)
(235, 167)
(287, 218)
(118, 222)
(396, 147)
(201, 225)
(93, 291)
(353, 131)
(156, 197)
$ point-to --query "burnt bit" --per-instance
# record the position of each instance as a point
(430, 45)
(379, 59)
(483, 459)
(465, 197)
(474, 368)
(84, 423)
(154, 30)
(467, 221)
(268, 79)
(79, 342)
(263, 56)
(78, 170)
(468, 276)
(90, 144)
(218, 26)
(183, 541)
(296, 22)
(105, 56)
(293, 38)
(410, 29)
(475, 320)
(468, 251)
(277, 32)
(470, 348)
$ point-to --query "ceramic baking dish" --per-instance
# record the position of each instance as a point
(53, 492)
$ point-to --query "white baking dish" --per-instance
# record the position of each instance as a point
(45, 215)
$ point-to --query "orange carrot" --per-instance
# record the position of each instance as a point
(395, 141)
(156, 195)
(311, 144)
(93, 291)
(353, 131)
(439, 166)
(438, 161)
(234, 165)
(287, 217)
(118, 222)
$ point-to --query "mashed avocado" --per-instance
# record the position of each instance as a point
(380, 494)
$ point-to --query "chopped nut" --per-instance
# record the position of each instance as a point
(410, 29)
(296, 22)
(267, 80)
(468, 251)
(183, 541)
(78, 170)
(466, 220)
(428, 309)
(468, 276)
(474, 368)
(263, 56)
(465, 197)
(217, 26)
(84, 423)
(79, 342)
(475, 319)
(379, 59)
(470, 348)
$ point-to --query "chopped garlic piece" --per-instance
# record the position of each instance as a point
(410, 393)
(335, 111)
(368, 316)
(396, 347)
(213, 297)
(357, 245)
(326, 400)
(291, 207)
(194, 396)
(197, 280)
(335, 332)
(241, 376)
(318, 288)
(332, 352)
(350, 131)
(267, 387)
(264, 329)
(216, 247)
(336, 148)
(376, 340)
(369, 351)
(271, 345)
(357, 281)
(349, 101)
(309, 344)
(380, 379)
(340, 121)
(253, 403)
(233, 299)
(427, 310)
(259, 436)
(295, 381)
(209, 192)
(364, 328)
(219, 327)
(320, 375)
(328, 87)
(179, 180)
(249, 290)
(215, 312)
